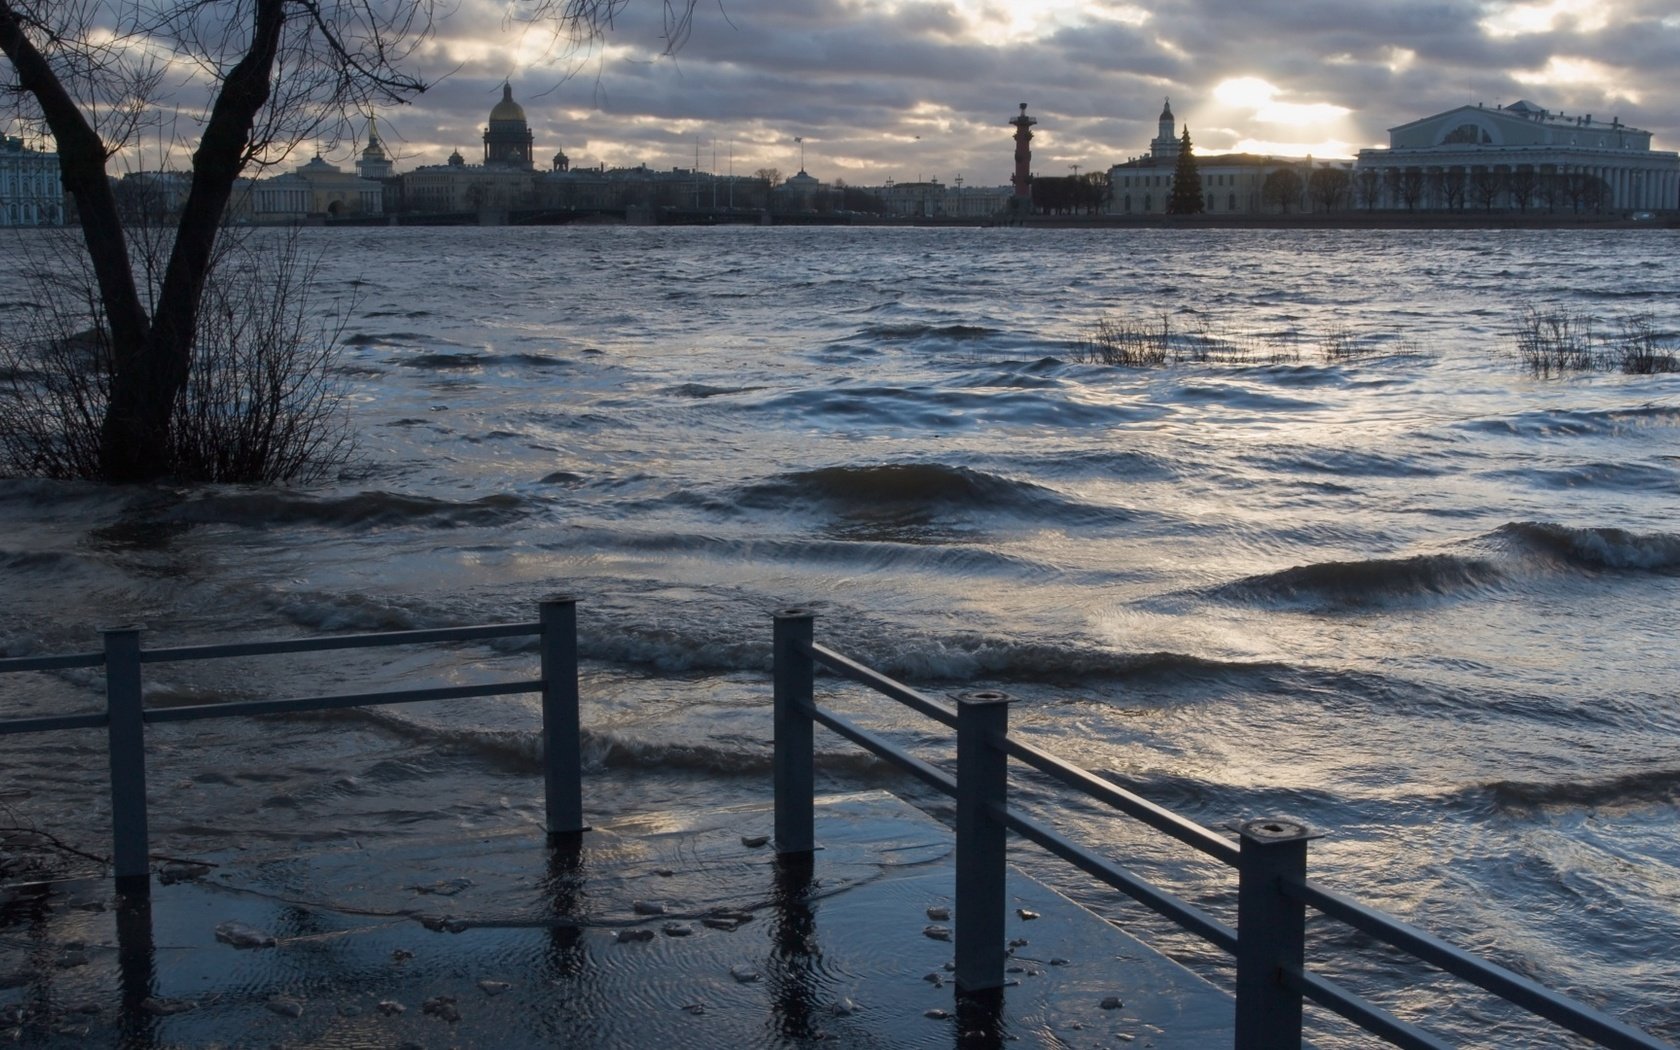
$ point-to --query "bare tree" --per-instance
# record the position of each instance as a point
(1328, 187)
(1282, 189)
(771, 176)
(1407, 184)
(277, 71)
(1486, 184)
(1369, 181)
(1523, 184)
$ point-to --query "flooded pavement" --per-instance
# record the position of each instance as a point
(676, 929)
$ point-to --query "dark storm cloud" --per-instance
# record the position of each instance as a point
(907, 89)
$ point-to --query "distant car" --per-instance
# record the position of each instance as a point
(1642, 216)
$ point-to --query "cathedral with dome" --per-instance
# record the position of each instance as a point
(506, 177)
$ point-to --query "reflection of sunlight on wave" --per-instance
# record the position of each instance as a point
(1209, 634)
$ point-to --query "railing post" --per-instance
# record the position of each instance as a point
(126, 733)
(793, 687)
(982, 794)
(1271, 934)
(562, 747)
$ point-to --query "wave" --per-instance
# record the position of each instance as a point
(1376, 581)
(1634, 477)
(921, 331)
(701, 391)
(1579, 423)
(1596, 548)
(1662, 786)
(364, 510)
(894, 490)
(1385, 581)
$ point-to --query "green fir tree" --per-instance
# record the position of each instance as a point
(1186, 196)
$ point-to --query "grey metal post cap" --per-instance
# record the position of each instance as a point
(1277, 830)
(985, 696)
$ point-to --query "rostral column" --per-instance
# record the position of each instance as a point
(1023, 156)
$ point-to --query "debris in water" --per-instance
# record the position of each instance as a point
(936, 979)
(754, 841)
(443, 923)
(663, 873)
(937, 1014)
(166, 1007)
(285, 1006)
(720, 924)
(678, 929)
(390, 1007)
(401, 955)
(1112, 1003)
(632, 936)
(647, 907)
(843, 1007)
(493, 988)
(1026, 914)
(938, 933)
(939, 913)
(446, 888)
(1019, 942)
(179, 871)
(743, 973)
(1059, 961)
(442, 1007)
(695, 1008)
(242, 936)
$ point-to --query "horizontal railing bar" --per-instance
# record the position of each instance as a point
(1367, 1015)
(197, 712)
(1158, 817)
(50, 663)
(340, 641)
(849, 668)
(1191, 918)
(48, 723)
(1529, 995)
(934, 777)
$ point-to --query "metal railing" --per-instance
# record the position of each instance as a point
(126, 716)
(1273, 892)
(1270, 856)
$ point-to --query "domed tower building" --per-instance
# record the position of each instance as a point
(508, 139)
(1166, 144)
(375, 163)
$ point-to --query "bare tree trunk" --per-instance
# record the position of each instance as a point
(134, 442)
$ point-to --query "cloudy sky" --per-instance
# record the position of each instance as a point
(907, 89)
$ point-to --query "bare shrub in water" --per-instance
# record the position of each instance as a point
(1128, 342)
(1554, 341)
(261, 404)
(1639, 351)
(1133, 343)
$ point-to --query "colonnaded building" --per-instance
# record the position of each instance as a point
(30, 191)
(1516, 157)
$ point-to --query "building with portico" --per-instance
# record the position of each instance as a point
(1518, 157)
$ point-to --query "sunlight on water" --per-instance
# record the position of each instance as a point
(1409, 595)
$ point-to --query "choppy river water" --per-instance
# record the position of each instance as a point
(1412, 596)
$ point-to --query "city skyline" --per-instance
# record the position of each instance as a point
(913, 91)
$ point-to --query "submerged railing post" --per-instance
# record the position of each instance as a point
(126, 733)
(982, 795)
(1271, 934)
(562, 746)
(794, 684)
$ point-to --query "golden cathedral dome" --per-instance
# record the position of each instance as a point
(507, 108)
